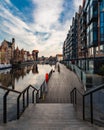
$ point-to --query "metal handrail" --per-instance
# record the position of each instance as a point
(23, 93)
(8, 89)
(94, 89)
(5, 106)
(18, 100)
(73, 96)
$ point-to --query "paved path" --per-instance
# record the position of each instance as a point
(60, 86)
(49, 117)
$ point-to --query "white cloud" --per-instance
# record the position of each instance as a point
(47, 12)
(8, 1)
(46, 16)
(16, 27)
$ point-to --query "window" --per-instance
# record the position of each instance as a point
(95, 11)
(102, 49)
(102, 5)
(101, 17)
(102, 33)
(102, 25)
(91, 12)
(88, 36)
(96, 50)
(91, 52)
(91, 66)
(95, 36)
(91, 37)
(88, 15)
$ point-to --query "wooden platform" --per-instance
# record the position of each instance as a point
(60, 86)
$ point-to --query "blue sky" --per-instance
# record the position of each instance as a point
(37, 24)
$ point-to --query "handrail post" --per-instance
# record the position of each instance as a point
(43, 86)
(41, 89)
(81, 76)
(18, 107)
(27, 96)
(75, 96)
(23, 101)
(71, 97)
(5, 107)
(33, 96)
(91, 104)
(37, 97)
(83, 107)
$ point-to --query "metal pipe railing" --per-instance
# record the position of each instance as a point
(5, 106)
(22, 94)
(25, 98)
(94, 89)
(74, 97)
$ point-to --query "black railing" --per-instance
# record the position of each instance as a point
(91, 104)
(23, 98)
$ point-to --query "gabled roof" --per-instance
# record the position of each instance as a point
(17, 48)
(9, 43)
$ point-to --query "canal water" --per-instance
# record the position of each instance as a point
(20, 78)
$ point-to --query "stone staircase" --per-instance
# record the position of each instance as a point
(49, 117)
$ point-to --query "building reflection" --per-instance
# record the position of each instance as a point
(35, 69)
(8, 77)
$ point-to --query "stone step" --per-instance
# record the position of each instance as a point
(49, 117)
(50, 128)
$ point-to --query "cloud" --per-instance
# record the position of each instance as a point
(48, 29)
(47, 12)
(47, 19)
(17, 28)
(8, 1)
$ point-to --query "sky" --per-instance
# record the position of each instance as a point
(37, 24)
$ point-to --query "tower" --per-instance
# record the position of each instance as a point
(13, 40)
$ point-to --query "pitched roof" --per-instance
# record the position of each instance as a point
(9, 43)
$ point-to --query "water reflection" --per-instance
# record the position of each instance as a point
(20, 78)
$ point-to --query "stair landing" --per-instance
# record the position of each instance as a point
(49, 117)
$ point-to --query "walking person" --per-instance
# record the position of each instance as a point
(58, 68)
(46, 81)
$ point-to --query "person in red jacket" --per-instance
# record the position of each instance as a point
(46, 77)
